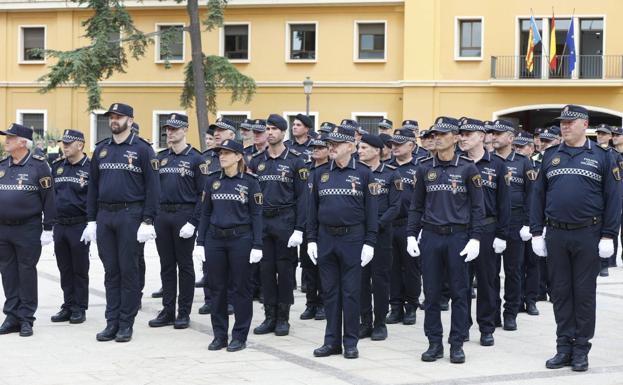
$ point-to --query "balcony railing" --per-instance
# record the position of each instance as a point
(586, 67)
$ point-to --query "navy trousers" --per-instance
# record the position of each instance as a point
(485, 269)
(276, 266)
(406, 272)
(72, 259)
(375, 279)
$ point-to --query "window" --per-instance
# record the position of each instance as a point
(369, 121)
(370, 40)
(175, 37)
(162, 133)
(469, 43)
(32, 38)
(562, 58)
(524, 31)
(302, 41)
(114, 41)
(236, 38)
(291, 115)
(35, 119)
(591, 48)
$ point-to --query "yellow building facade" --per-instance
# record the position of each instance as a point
(368, 59)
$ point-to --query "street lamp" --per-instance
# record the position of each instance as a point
(307, 88)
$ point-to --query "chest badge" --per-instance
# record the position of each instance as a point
(164, 162)
(103, 153)
(399, 185)
(532, 174)
(215, 185)
(59, 171)
(508, 177)
(477, 181)
(203, 167)
(375, 188)
(209, 162)
(2, 172)
(431, 176)
(324, 177)
(453, 183)
(556, 161)
(261, 167)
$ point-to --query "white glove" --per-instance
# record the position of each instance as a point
(606, 248)
(419, 237)
(145, 233)
(471, 250)
(187, 231)
(499, 245)
(367, 253)
(90, 233)
(47, 237)
(296, 239)
(199, 253)
(524, 233)
(538, 246)
(412, 247)
(256, 256)
(312, 251)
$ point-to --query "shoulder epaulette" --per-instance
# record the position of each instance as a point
(257, 153)
(466, 158)
(389, 166)
(251, 174)
(498, 155)
(163, 151)
(144, 140)
(38, 157)
(516, 153)
(426, 159)
(555, 148)
(293, 151)
(60, 158)
(101, 141)
(195, 151)
(213, 172)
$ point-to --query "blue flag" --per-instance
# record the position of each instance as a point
(570, 42)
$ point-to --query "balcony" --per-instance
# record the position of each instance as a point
(590, 67)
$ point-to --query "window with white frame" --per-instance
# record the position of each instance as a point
(371, 38)
(100, 128)
(32, 39)
(468, 42)
(236, 41)
(35, 119)
(369, 122)
(114, 41)
(175, 35)
(160, 119)
(302, 41)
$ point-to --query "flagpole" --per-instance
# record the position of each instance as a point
(565, 46)
(543, 53)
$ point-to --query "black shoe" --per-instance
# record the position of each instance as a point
(531, 309)
(157, 293)
(434, 352)
(510, 323)
(230, 309)
(201, 282)
(62, 316)
(164, 318)
(558, 361)
(236, 345)
(217, 344)
(409, 316)
(351, 353)
(205, 309)
(486, 339)
(124, 335)
(444, 306)
(309, 313)
(9, 327)
(379, 333)
(541, 297)
(365, 330)
(182, 321)
(25, 329)
(604, 272)
(108, 334)
(282, 327)
(270, 321)
(579, 363)
(395, 315)
(320, 314)
(457, 355)
(78, 317)
(327, 350)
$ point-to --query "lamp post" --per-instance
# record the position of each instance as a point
(307, 88)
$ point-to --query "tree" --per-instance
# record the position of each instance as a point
(88, 66)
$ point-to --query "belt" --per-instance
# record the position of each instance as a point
(270, 212)
(400, 222)
(229, 232)
(571, 226)
(71, 220)
(342, 230)
(118, 206)
(446, 229)
(489, 220)
(173, 207)
(15, 222)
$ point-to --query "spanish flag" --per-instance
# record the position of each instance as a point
(552, 45)
(534, 37)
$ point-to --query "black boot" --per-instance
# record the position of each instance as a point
(206, 308)
(365, 328)
(434, 352)
(282, 327)
(409, 317)
(379, 333)
(558, 361)
(164, 318)
(457, 355)
(395, 315)
(579, 362)
(320, 314)
(309, 313)
(62, 316)
(157, 293)
(268, 325)
(531, 308)
(78, 316)
(182, 321)
(109, 333)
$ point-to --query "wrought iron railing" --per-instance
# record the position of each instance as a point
(586, 67)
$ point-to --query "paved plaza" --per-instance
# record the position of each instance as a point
(69, 354)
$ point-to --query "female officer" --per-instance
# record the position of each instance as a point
(231, 230)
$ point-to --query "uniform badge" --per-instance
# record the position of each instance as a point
(1, 173)
(259, 198)
(556, 161)
(303, 173)
(324, 177)
(164, 162)
(59, 171)
(398, 184)
(617, 173)
(454, 186)
(532, 174)
(477, 181)
(375, 188)
(216, 185)
(203, 167)
(209, 162)
(46, 182)
(261, 167)
(431, 176)
(103, 153)
(620, 165)
(154, 164)
(508, 177)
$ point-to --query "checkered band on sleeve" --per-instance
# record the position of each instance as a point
(492, 185)
(120, 166)
(71, 179)
(274, 178)
(177, 170)
(18, 187)
(516, 179)
(408, 181)
(445, 187)
(573, 171)
(340, 191)
(341, 137)
(228, 197)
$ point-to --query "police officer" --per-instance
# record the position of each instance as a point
(25, 192)
(71, 181)
(549, 137)
(496, 193)
(231, 231)
(406, 281)
(282, 175)
(521, 174)
(418, 151)
(326, 128)
(260, 139)
(342, 227)
(182, 177)
(603, 134)
(246, 132)
(578, 170)
(310, 275)
(448, 208)
(301, 127)
(385, 126)
(375, 275)
(386, 153)
(617, 143)
(122, 203)
(428, 141)
(207, 154)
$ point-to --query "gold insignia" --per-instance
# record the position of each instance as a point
(324, 177)
(103, 153)
(259, 198)
(215, 185)
(620, 164)
(508, 177)
(154, 164)
(617, 173)
(303, 173)
(375, 188)
(261, 167)
(532, 174)
(46, 182)
(477, 181)
(399, 185)
(209, 162)
(431, 176)
(59, 171)
(164, 162)
(203, 167)
(556, 161)
(1, 173)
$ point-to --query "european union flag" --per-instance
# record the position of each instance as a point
(570, 42)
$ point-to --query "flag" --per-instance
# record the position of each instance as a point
(552, 45)
(534, 37)
(570, 42)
